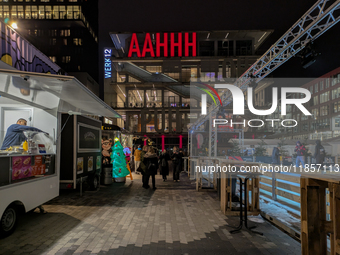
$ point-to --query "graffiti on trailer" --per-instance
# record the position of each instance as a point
(22, 55)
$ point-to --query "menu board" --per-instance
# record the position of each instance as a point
(89, 138)
(27, 166)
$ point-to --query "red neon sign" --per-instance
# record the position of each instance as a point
(176, 42)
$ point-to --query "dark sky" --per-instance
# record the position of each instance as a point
(198, 15)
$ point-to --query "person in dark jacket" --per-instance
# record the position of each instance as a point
(176, 161)
(15, 134)
(164, 165)
(319, 153)
(276, 155)
(300, 154)
(151, 163)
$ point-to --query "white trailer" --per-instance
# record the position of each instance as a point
(30, 180)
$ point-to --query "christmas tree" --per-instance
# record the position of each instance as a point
(118, 161)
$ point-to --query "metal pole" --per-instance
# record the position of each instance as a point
(210, 133)
(215, 142)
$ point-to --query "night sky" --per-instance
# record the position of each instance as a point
(198, 15)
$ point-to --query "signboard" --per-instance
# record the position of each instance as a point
(175, 47)
(88, 138)
(107, 63)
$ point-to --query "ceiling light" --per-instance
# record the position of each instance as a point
(208, 35)
(226, 36)
(262, 36)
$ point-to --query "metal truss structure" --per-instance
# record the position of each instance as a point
(318, 19)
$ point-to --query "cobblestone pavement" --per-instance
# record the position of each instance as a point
(127, 219)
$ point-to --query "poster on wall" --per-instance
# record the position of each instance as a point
(90, 164)
(98, 162)
(80, 165)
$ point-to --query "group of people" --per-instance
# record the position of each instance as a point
(300, 149)
(147, 162)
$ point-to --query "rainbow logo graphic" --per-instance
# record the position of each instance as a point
(204, 96)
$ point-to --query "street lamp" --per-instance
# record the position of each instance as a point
(14, 25)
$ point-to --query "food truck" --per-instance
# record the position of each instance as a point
(80, 152)
(30, 171)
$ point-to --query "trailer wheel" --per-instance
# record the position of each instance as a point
(8, 221)
(94, 182)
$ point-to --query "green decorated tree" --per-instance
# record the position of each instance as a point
(118, 161)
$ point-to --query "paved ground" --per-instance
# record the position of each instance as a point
(127, 219)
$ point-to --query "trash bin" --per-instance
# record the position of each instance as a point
(107, 175)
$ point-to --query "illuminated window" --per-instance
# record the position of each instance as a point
(28, 12)
(64, 41)
(66, 59)
(62, 12)
(48, 12)
(34, 12)
(41, 12)
(53, 58)
(14, 12)
(69, 12)
(21, 14)
(53, 41)
(77, 41)
(55, 12)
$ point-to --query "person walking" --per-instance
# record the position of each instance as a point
(164, 165)
(319, 153)
(300, 154)
(150, 160)
(176, 162)
(143, 166)
(276, 155)
(137, 158)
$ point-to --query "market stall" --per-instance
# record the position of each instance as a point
(30, 170)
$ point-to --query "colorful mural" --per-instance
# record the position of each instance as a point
(22, 55)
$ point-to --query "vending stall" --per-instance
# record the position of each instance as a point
(30, 167)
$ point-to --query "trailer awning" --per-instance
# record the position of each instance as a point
(52, 93)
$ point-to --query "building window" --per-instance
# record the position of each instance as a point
(321, 85)
(34, 12)
(324, 97)
(14, 12)
(315, 112)
(316, 87)
(324, 110)
(66, 59)
(244, 48)
(65, 41)
(53, 41)
(315, 100)
(327, 83)
(41, 12)
(311, 89)
(53, 58)
(21, 13)
(77, 41)
(336, 93)
(65, 32)
(336, 107)
(48, 12)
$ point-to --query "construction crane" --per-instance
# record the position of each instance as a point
(318, 19)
